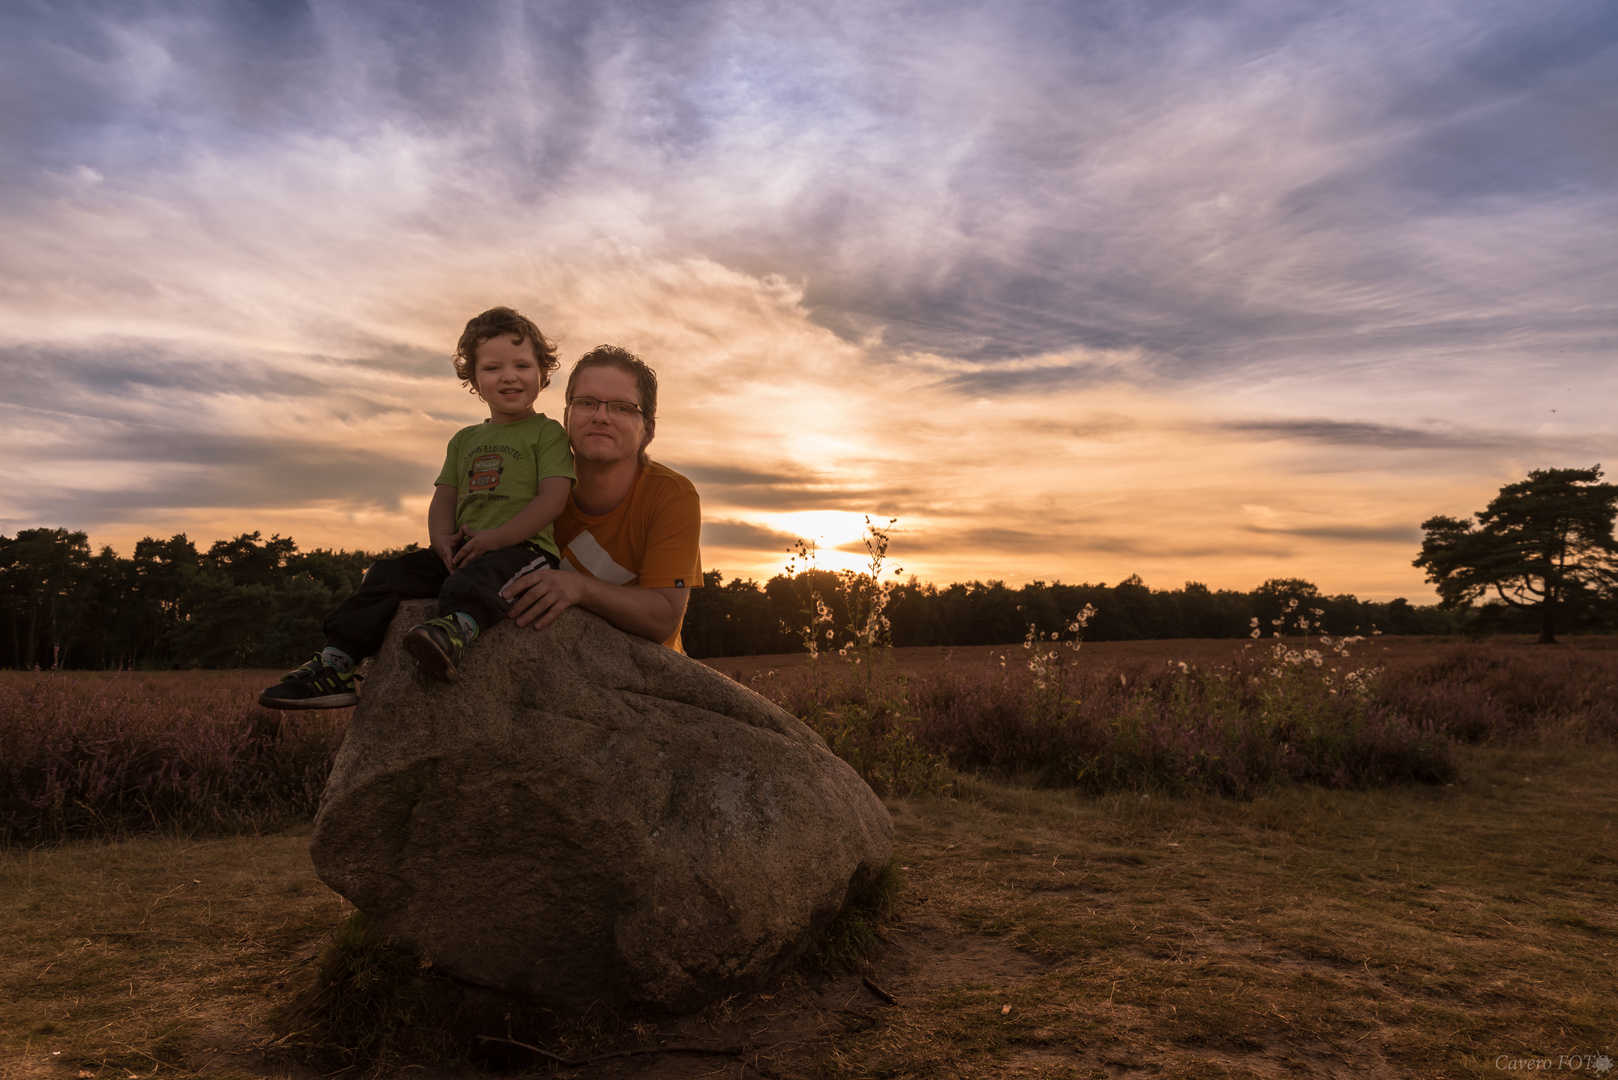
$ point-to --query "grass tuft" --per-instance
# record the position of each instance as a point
(855, 934)
(365, 1006)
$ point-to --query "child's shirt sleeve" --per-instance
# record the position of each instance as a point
(450, 474)
(552, 455)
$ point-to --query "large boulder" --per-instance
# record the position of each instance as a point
(586, 816)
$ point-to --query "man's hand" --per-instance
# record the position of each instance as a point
(477, 543)
(444, 545)
(539, 597)
(543, 595)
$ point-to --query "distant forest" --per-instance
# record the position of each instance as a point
(251, 602)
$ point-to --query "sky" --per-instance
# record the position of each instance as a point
(1213, 290)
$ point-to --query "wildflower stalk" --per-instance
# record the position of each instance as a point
(871, 726)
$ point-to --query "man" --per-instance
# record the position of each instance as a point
(629, 533)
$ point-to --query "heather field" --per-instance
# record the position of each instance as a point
(86, 754)
(1123, 860)
(1218, 717)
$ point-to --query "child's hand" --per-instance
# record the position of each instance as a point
(444, 546)
(475, 544)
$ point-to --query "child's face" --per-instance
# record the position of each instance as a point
(507, 378)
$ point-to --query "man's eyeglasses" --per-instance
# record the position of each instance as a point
(623, 410)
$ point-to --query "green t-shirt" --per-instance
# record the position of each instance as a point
(495, 470)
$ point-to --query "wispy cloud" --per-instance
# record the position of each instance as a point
(1063, 286)
(1407, 535)
(1369, 434)
(746, 536)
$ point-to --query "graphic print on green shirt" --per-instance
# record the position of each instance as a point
(495, 470)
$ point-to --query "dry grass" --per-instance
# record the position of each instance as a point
(1404, 932)
(153, 956)
(1397, 933)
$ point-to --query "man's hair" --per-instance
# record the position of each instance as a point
(624, 360)
(502, 322)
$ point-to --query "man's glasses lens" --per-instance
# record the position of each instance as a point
(623, 409)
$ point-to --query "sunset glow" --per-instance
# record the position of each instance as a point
(1214, 293)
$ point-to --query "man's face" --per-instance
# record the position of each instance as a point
(602, 436)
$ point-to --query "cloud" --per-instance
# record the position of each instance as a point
(744, 489)
(1352, 534)
(1214, 190)
(1063, 286)
(1365, 433)
(980, 542)
(746, 536)
(90, 474)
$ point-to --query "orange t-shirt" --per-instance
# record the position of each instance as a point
(650, 539)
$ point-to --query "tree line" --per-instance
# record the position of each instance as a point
(739, 617)
(1542, 555)
(246, 602)
(256, 602)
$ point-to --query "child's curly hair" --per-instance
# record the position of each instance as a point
(492, 324)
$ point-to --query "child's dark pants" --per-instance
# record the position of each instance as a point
(358, 625)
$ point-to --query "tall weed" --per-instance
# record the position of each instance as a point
(1275, 713)
(1232, 729)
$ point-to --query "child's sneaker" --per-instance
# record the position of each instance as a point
(315, 685)
(437, 645)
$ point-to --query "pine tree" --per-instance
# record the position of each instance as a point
(1544, 544)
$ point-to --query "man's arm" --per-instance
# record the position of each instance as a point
(544, 508)
(539, 597)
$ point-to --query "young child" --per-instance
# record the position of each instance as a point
(503, 483)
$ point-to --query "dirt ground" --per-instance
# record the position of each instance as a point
(1415, 931)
